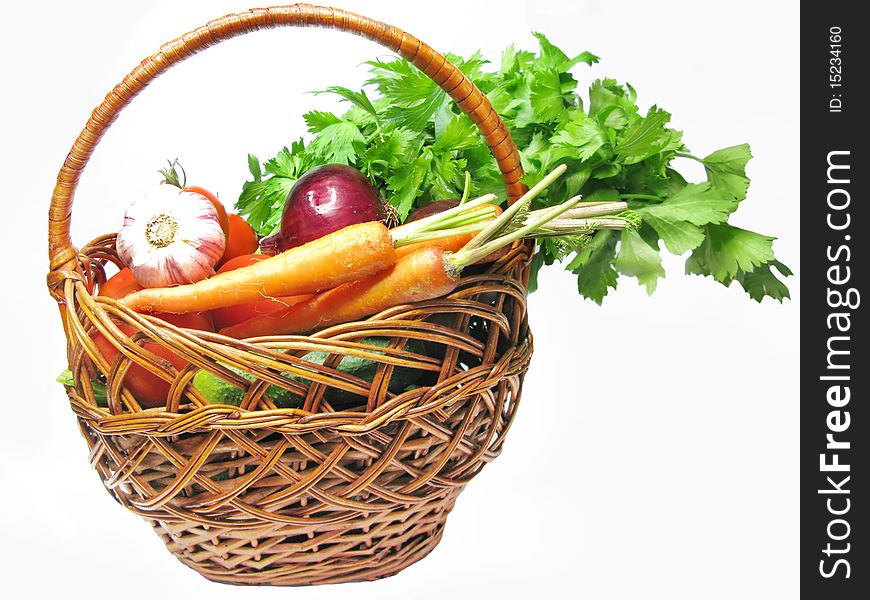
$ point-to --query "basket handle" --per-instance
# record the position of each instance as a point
(62, 254)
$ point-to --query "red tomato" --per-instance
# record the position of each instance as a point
(231, 315)
(241, 261)
(241, 240)
(120, 284)
(222, 212)
(149, 389)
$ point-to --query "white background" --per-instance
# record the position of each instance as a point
(655, 453)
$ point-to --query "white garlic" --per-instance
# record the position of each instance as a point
(170, 237)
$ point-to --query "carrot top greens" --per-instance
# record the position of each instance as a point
(414, 144)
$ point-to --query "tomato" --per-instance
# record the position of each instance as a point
(241, 240)
(242, 260)
(223, 218)
(120, 284)
(149, 389)
(232, 315)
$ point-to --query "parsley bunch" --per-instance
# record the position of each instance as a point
(415, 145)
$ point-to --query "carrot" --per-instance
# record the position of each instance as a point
(230, 315)
(322, 264)
(425, 274)
(422, 275)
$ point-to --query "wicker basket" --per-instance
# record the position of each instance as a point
(323, 493)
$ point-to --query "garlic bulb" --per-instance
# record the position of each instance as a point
(170, 237)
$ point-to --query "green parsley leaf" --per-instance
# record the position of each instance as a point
(318, 120)
(534, 268)
(446, 176)
(290, 162)
(552, 57)
(761, 281)
(679, 236)
(613, 104)
(541, 157)
(412, 142)
(459, 134)
(389, 151)
(638, 259)
(726, 169)
(508, 60)
(506, 103)
(594, 267)
(262, 202)
(696, 203)
(487, 177)
(646, 137)
(405, 184)
(728, 250)
(581, 133)
(338, 143)
(546, 96)
(607, 170)
(414, 97)
(359, 98)
(254, 167)
(525, 114)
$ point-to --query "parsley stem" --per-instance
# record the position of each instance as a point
(466, 189)
(475, 215)
(561, 227)
(470, 255)
(574, 220)
(404, 233)
(522, 202)
(596, 209)
(687, 155)
(425, 236)
(649, 197)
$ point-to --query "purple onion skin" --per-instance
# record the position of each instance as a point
(325, 199)
(433, 208)
(271, 244)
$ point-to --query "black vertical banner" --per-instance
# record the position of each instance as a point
(834, 172)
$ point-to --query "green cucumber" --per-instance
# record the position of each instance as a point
(98, 387)
(219, 391)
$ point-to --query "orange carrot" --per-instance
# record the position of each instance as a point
(322, 264)
(230, 315)
(354, 254)
(345, 255)
(423, 275)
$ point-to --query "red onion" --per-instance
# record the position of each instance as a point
(325, 199)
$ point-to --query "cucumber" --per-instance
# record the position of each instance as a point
(366, 369)
(218, 391)
(98, 387)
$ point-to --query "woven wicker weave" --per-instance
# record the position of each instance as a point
(326, 492)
